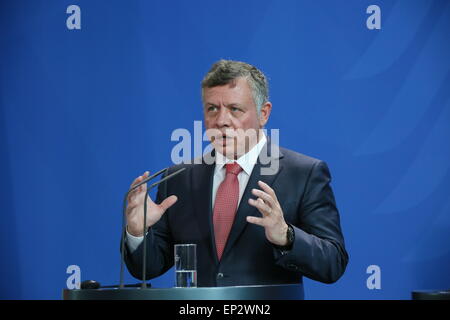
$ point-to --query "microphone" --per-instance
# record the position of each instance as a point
(124, 225)
(92, 284)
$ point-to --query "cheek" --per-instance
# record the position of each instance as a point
(249, 123)
(208, 122)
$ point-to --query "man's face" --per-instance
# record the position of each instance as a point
(231, 119)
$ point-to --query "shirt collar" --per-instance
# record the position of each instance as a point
(246, 161)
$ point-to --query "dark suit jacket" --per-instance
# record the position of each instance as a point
(302, 186)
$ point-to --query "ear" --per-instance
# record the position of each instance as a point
(264, 114)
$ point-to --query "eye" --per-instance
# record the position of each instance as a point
(211, 109)
(234, 109)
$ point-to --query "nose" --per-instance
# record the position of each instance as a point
(223, 118)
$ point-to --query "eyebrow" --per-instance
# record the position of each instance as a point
(208, 104)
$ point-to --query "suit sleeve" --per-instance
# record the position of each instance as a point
(318, 251)
(159, 246)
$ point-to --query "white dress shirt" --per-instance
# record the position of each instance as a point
(246, 162)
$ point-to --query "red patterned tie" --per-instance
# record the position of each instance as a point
(225, 206)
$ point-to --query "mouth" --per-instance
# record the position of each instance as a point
(223, 139)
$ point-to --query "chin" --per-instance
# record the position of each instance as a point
(226, 151)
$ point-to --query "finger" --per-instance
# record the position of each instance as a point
(135, 198)
(143, 187)
(139, 179)
(263, 208)
(267, 189)
(263, 195)
(131, 197)
(140, 188)
(134, 194)
(132, 204)
(168, 202)
(256, 220)
(135, 181)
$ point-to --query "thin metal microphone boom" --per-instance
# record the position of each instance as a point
(124, 207)
(144, 258)
(135, 186)
(124, 224)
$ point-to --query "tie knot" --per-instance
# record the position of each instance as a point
(233, 168)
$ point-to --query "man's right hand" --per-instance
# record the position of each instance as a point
(135, 208)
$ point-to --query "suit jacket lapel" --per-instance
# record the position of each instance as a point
(202, 182)
(268, 154)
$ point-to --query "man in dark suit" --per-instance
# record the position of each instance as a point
(259, 213)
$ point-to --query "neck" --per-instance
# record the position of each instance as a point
(247, 147)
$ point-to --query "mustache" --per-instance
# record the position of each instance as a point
(232, 133)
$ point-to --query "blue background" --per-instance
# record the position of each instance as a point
(83, 112)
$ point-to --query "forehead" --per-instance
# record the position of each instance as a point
(237, 90)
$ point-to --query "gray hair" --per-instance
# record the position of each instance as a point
(226, 71)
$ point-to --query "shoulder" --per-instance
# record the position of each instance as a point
(200, 165)
(301, 167)
(294, 158)
(295, 163)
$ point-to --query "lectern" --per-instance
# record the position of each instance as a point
(270, 292)
(431, 295)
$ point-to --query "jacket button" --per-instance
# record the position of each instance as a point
(220, 275)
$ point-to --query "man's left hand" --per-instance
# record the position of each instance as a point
(272, 215)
